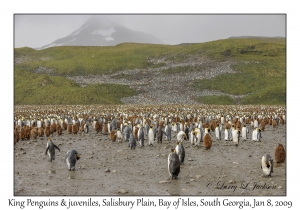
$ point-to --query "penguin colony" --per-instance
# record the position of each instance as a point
(142, 126)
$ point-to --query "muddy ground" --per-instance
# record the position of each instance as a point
(223, 170)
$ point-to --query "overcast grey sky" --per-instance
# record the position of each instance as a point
(39, 30)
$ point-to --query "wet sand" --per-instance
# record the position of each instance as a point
(222, 170)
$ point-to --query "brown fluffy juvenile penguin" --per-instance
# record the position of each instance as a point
(207, 142)
(279, 154)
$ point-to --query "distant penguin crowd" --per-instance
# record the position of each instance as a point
(143, 126)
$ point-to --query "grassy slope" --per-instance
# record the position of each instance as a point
(260, 63)
(261, 67)
(58, 90)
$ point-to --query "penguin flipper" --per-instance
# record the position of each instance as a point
(56, 147)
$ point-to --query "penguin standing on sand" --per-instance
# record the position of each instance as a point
(119, 135)
(86, 127)
(218, 132)
(207, 141)
(180, 152)
(197, 135)
(160, 133)
(141, 136)
(132, 142)
(71, 158)
(259, 134)
(256, 135)
(173, 164)
(280, 154)
(147, 128)
(244, 132)
(127, 132)
(236, 137)
(151, 136)
(51, 150)
(267, 164)
(168, 131)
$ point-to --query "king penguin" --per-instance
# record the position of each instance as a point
(51, 150)
(267, 164)
(71, 157)
(168, 131)
(181, 136)
(244, 132)
(173, 164)
(236, 137)
(218, 132)
(150, 136)
(256, 135)
(141, 136)
(132, 142)
(197, 136)
(180, 152)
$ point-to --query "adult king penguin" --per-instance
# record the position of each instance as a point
(173, 164)
(71, 157)
(141, 136)
(51, 150)
(244, 132)
(236, 137)
(181, 136)
(218, 132)
(150, 136)
(267, 164)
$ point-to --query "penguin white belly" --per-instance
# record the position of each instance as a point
(150, 137)
(68, 163)
(177, 149)
(192, 137)
(198, 138)
(217, 133)
(226, 137)
(119, 134)
(174, 128)
(266, 170)
(169, 164)
(244, 133)
(166, 131)
(235, 137)
(254, 135)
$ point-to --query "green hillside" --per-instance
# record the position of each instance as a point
(40, 89)
(260, 65)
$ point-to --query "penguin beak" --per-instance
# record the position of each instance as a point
(78, 156)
